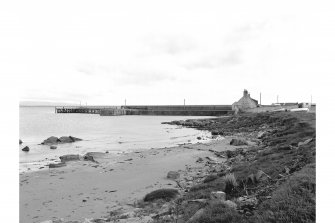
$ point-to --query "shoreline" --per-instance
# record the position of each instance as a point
(53, 157)
(270, 166)
(92, 190)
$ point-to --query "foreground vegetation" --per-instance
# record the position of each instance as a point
(275, 176)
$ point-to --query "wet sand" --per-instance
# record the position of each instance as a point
(85, 189)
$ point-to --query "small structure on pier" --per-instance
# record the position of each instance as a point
(246, 102)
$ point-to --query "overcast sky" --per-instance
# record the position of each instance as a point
(155, 52)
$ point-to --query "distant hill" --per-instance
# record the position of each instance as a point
(45, 103)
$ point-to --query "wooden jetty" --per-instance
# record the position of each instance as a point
(84, 109)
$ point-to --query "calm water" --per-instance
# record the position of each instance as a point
(115, 134)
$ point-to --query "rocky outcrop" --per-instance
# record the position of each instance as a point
(64, 139)
(50, 140)
(53, 147)
(25, 149)
(69, 157)
(56, 165)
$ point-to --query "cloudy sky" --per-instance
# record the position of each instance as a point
(160, 52)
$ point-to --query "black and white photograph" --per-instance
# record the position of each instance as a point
(165, 111)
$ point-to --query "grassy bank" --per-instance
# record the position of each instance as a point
(273, 180)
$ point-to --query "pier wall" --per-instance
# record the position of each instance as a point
(169, 110)
(178, 112)
(179, 107)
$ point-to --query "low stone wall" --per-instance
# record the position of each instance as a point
(269, 108)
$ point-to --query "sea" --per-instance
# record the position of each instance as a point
(112, 134)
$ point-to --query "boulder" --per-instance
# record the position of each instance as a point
(248, 202)
(53, 147)
(50, 140)
(89, 158)
(238, 142)
(173, 175)
(198, 138)
(56, 165)
(65, 139)
(74, 139)
(25, 149)
(69, 157)
(20, 142)
(230, 204)
(218, 195)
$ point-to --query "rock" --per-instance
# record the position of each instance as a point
(198, 138)
(218, 195)
(50, 140)
(198, 201)
(199, 160)
(248, 202)
(53, 147)
(130, 214)
(261, 134)
(212, 160)
(89, 158)
(305, 142)
(261, 176)
(173, 175)
(20, 142)
(142, 219)
(74, 139)
(65, 139)
(25, 149)
(238, 142)
(56, 165)
(69, 157)
(230, 204)
(196, 216)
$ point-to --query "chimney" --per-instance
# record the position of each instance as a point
(245, 93)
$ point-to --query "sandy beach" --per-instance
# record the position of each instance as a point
(84, 189)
